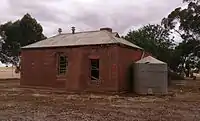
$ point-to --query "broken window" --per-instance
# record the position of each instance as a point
(94, 69)
(62, 64)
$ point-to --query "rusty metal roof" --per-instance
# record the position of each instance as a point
(80, 39)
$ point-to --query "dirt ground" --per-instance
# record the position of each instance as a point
(17, 104)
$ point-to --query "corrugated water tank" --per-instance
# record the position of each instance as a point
(150, 76)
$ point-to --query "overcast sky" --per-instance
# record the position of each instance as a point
(121, 15)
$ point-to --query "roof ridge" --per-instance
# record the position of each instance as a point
(69, 33)
(79, 38)
(116, 39)
(81, 32)
(111, 36)
(85, 32)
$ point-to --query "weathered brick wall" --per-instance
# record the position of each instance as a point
(127, 56)
(43, 72)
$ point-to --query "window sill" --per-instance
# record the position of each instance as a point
(95, 81)
(61, 76)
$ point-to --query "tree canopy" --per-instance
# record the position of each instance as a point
(154, 39)
(158, 39)
(20, 33)
(186, 22)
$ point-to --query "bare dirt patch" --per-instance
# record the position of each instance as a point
(41, 105)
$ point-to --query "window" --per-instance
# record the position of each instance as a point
(94, 69)
(62, 64)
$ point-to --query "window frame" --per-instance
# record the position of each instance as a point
(65, 64)
(95, 68)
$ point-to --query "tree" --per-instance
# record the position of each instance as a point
(186, 22)
(19, 33)
(154, 39)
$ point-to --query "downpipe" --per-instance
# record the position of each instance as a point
(143, 53)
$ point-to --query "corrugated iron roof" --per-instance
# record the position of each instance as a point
(81, 38)
(150, 59)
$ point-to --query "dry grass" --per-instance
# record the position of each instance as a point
(8, 72)
(41, 105)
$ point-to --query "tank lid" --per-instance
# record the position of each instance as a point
(149, 60)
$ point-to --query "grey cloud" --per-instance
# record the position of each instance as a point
(37, 9)
(93, 14)
(120, 17)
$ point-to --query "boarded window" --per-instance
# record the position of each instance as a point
(62, 64)
(94, 69)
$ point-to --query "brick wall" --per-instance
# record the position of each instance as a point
(39, 68)
(127, 56)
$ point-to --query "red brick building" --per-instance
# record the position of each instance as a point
(81, 61)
